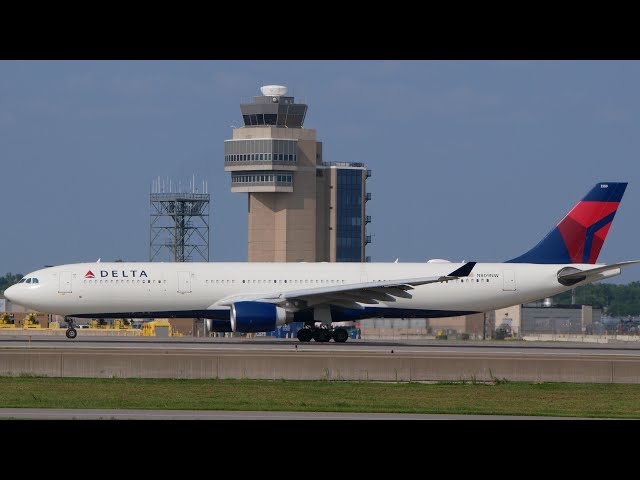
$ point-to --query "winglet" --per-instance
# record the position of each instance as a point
(463, 271)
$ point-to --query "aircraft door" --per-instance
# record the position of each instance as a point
(509, 280)
(184, 282)
(65, 282)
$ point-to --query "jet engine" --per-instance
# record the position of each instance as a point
(257, 317)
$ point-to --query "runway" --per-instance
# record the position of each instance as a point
(361, 346)
(359, 360)
(87, 414)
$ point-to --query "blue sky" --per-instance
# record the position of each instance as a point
(471, 160)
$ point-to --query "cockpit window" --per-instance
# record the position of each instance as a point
(29, 280)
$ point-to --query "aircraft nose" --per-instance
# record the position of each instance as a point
(9, 292)
(12, 294)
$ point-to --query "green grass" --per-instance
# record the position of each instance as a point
(511, 398)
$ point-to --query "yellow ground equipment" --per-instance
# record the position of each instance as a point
(122, 324)
(156, 328)
(100, 323)
(30, 321)
(6, 321)
(159, 328)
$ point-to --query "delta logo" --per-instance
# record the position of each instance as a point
(118, 274)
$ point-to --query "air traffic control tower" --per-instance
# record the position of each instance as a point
(298, 209)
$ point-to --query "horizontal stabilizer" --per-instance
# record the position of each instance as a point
(570, 275)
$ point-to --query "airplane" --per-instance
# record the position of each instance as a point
(258, 297)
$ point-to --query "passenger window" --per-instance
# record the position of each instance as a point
(28, 280)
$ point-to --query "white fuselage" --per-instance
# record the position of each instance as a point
(153, 289)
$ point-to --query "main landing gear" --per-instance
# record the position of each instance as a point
(71, 332)
(322, 334)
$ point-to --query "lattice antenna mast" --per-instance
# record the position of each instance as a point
(179, 220)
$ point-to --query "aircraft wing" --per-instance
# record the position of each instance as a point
(570, 275)
(350, 295)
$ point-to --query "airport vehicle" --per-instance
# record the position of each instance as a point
(257, 297)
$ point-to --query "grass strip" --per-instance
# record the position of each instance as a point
(503, 398)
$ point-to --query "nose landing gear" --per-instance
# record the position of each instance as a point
(71, 332)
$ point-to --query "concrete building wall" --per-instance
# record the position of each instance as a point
(474, 324)
(449, 323)
(183, 326)
(471, 324)
(512, 316)
(333, 212)
(300, 211)
(587, 315)
(324, 213)
(558, 319)
(282, 226)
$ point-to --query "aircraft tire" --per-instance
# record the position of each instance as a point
(340, 335)
(305, 335)
(322, 335)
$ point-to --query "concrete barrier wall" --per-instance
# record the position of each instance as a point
(61, 332)
(158, 363)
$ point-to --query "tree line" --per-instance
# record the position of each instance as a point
(8, 280)
(614, 300)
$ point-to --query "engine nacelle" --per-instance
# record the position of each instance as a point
(215, 325)
(257, 317)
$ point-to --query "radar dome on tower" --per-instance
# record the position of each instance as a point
(273, 90)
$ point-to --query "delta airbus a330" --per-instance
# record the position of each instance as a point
(257, 297)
